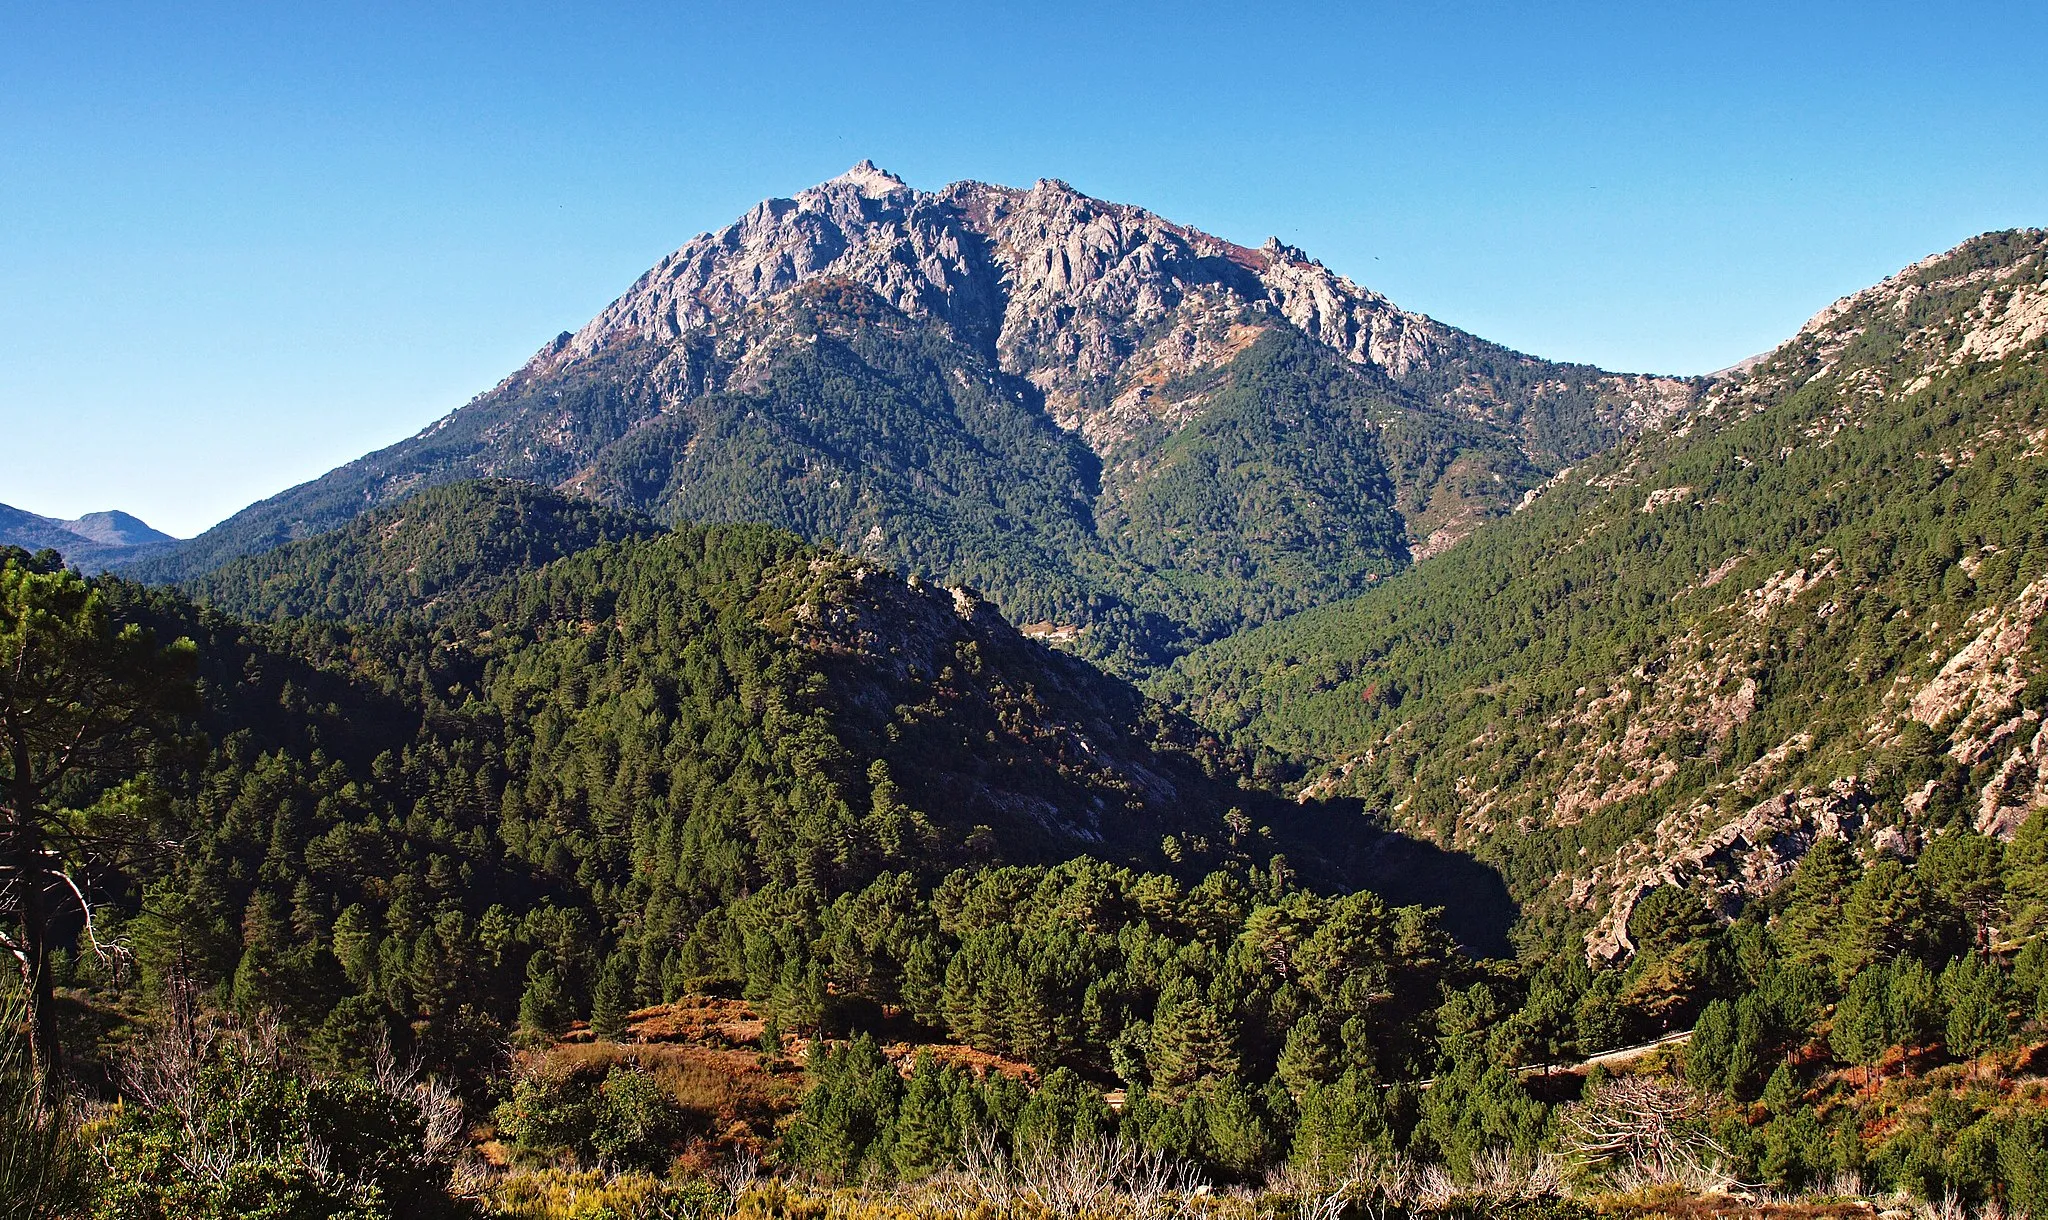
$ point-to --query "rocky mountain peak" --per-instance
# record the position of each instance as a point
(927, 253)
(1049, 310)
(1090, 299)
(871, 180)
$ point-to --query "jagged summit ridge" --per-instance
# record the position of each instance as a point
(1061, 285)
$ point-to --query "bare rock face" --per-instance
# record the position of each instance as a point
(1094, 302)
(1736, 862)
(864, 226)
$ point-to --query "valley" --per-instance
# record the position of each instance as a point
(990, 702)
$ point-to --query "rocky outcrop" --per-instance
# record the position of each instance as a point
(1980, 682)
(1732, 864)
(1940, 313)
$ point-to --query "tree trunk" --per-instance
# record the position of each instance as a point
(37, 985)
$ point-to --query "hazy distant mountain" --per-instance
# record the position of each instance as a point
(1130, 434)
(94, 541)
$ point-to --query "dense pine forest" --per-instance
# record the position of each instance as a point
(1674, 845)
(720, 765)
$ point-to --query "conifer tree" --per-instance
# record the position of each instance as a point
(83, 701)
(613, 999)
(1819, 888)
(1978, 1017)
(1713, 1040)
(1307, 1058)
(1782, 1091)
(1888, 914)
(544, 1007)
(1861, 1032)
(928, 1133)
(1190, 1040)
(1913, 1009)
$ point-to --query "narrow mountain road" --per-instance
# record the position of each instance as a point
(1604, 1058)
(1624, 1055)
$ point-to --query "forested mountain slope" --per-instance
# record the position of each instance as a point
(720, 761)
(1048, 754)
(713, 760)
(1812, 608)
(1131, 434)
(436, 553)
(654, 738)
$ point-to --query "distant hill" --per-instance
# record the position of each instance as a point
(94, 542)
(1131, 435)
(442, 550)
(1814, 607)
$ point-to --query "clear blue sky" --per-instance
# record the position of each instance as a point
(240, 244)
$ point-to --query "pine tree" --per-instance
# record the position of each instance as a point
(1707, 1055)
(1888, 914)
(1477, 1104)
(1746, 1052)
(2026, 877)
(1234, 1133)
(1307, 1058)
(1782, 1092)
(1190, 1040)
(544, 1010)
(1861, 1033)
(2030, 978)
(1967, 871)
(84, 700)
(1062, 1109)
(261, 979)
(1337, 1121)
(928, 1132)
(1819, 887)
(1978, 1016)
(924, 981)
(849, 1111)
(613, 1000)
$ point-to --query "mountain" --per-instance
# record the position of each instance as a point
(1029, 752)
(1811, 608)
(116, 528)
(437, 552)
(93, 542)
(595, 822)
(1130, 434)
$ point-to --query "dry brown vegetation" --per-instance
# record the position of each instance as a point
(704, 1052)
